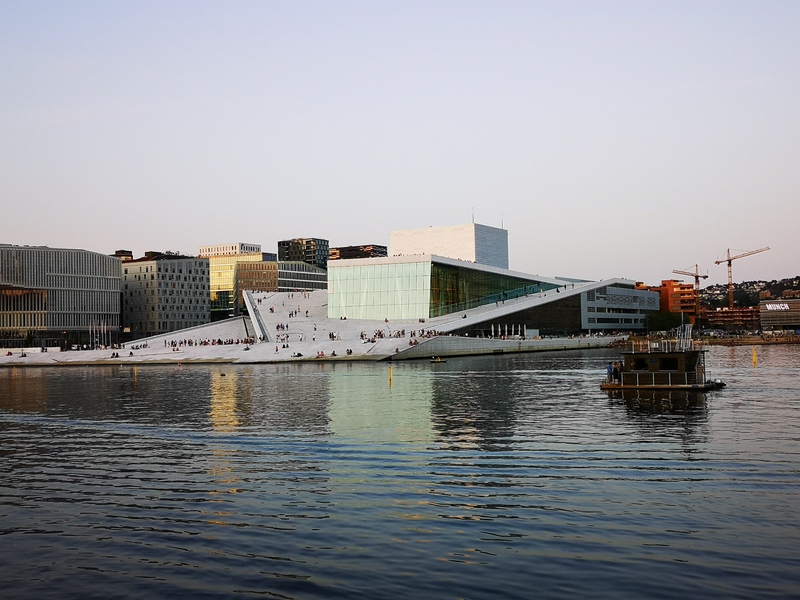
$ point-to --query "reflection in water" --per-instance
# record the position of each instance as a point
(474, 409)
(478, 477)
(23, 390)
(661, 401)
(366, 405)
(224, 399)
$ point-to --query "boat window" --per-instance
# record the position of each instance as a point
(640, 364)
(669, 363)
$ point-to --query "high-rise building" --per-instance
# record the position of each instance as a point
(58, 297)
(313, 251)
(163, 292)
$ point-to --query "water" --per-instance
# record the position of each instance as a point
(490, 477)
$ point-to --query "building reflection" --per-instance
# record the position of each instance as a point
(661, 414)
(224, 388)
(371, 406)
(469, 410)
(24, 390)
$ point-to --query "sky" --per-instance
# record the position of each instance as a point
(610, 138)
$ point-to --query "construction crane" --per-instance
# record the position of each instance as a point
(697, 277)
(730, 272)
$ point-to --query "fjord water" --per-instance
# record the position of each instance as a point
(486, 477)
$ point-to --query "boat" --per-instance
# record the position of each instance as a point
(664, 364)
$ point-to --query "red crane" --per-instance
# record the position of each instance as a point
(730, 272)
(697, 277)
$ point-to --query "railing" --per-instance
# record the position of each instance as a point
(255, 317)
(446, 309)
(644, 378)
(664, 345)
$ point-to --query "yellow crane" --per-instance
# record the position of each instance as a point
(730, 272)
(697, 277)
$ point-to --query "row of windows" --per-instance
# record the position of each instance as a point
(34, 267)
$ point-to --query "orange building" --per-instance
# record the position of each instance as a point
(676, 297)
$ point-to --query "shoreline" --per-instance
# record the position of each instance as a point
(387, 350)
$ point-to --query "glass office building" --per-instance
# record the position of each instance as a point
(418, 287)
(294, 276)
(224, 283)
(57, 297)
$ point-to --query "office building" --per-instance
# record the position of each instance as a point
(313, 251)
(295, 276)
(780, 315)
(58, 297)
(163, 292)
(229, 249)
(223, 264)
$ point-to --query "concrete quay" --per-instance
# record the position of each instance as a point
(304, 336)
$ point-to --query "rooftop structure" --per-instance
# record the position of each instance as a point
(229, 249)
(471, 242)
(364, 251)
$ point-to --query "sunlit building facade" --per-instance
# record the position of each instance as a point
(224, 283)
(419, 287)
(58, 297)
(363, 251)
(163, 293)
(229, 249)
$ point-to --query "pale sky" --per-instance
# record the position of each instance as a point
(611, 139)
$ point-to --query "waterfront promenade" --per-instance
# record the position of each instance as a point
(307, 335)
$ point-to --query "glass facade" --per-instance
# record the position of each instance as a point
(224, 283)
(418, 289)
(257, 277)
(313, 251)
(294, 276)
(455, 288)
(57, 297)
(380, 291)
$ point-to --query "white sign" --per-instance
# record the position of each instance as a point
(778, 306)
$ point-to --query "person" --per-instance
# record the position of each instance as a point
(615, 372)
(609, 373)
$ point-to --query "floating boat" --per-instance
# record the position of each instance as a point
(668, 364)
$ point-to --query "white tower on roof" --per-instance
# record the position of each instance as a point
(473, 242)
